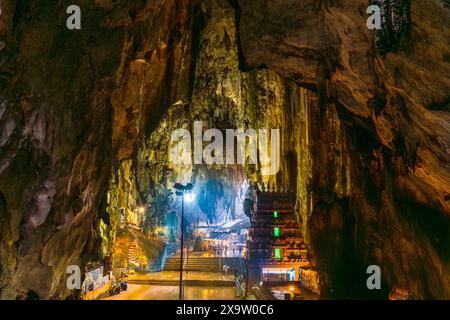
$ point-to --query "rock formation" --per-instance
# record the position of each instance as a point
(86, 117)
(395, 116)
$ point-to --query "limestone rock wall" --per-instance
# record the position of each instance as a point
(394, 131)
(226, 97)
(73, 104)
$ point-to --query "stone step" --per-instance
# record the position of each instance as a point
(202, 264)
(154, 264)
(186, 282)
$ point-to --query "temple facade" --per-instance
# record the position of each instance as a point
(275, 247)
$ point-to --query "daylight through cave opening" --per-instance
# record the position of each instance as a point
(225, 99)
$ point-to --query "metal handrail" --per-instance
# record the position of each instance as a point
(168, 251)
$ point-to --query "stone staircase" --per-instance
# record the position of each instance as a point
(262, 293)
(206, 264)
(154, 265)
(130, 254)
(157, 264)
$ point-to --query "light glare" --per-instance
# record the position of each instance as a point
(189, 197)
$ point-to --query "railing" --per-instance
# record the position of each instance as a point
(273, 261)
(240, 279)
(169, 249)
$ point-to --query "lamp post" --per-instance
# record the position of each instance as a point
(181, 190)
(187, 247)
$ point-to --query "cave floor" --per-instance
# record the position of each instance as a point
(198, 285)
(163, 292)
(164, 286)
(175, 276)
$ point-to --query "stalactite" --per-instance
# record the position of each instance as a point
(395, 22)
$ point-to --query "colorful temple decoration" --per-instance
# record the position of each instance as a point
(275, 247)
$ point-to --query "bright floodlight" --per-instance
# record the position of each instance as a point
(141, 209)
(189, 197)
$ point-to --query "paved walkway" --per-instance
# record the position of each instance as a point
(175, 275)
(151, 292)
(141, 288)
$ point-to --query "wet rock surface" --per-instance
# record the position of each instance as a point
(397, 144)
(68, 121)
(86, 118)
